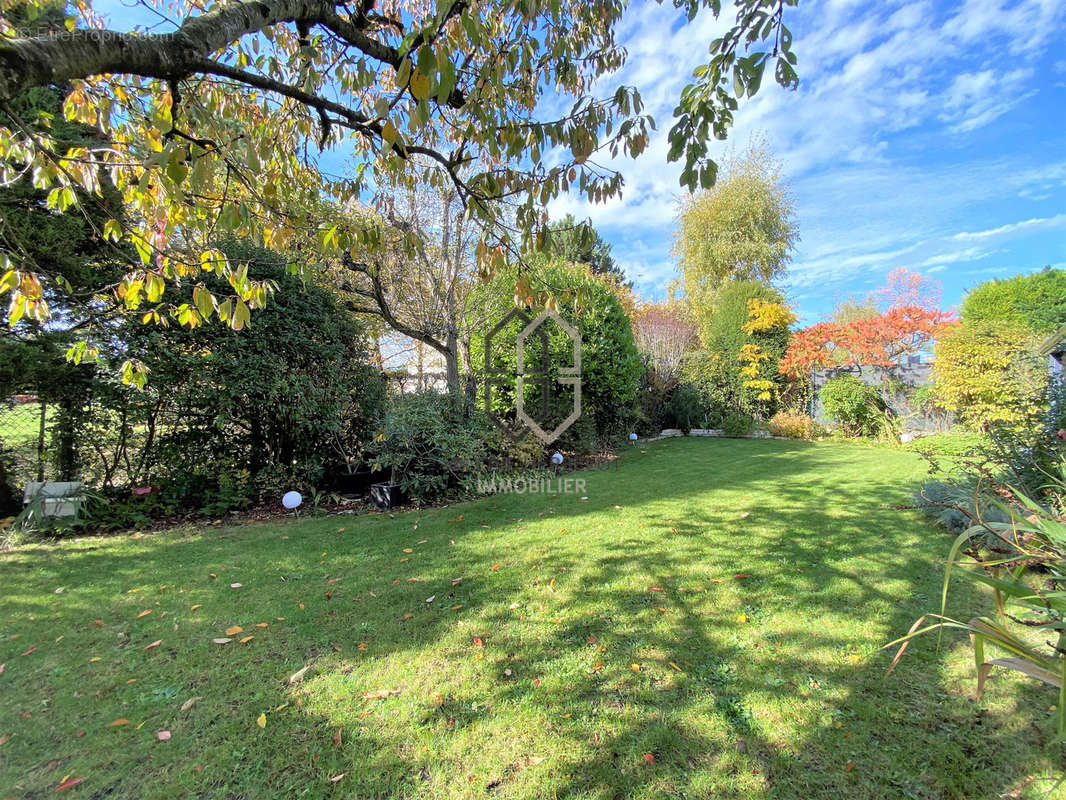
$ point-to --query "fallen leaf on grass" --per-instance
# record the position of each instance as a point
(656, 589)
(262, 624)
(649, 758)
(118, 723)
(222, 640)
(32, 649)
(69, 783)
(144, 613)
(156, 643)
(675, 666)
(495, 567)
(98, 623)
(740, 576)
(298, 674)
(431, 598)
(235, 585)
(635, 667)
(261, 721)
(2, 668)
(336, 778)
(478, 642)
(337, 738)
(408, 616)
(247, 639)
(380, 694)
(198, 605)
(163, 736)
(408, 550)
(5, 738)
(849, 766)
(190, 703)
(234, 630)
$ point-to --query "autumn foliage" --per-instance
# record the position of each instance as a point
(881, 340)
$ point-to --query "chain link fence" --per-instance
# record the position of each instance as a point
(26, 439)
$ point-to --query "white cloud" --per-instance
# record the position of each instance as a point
(1045, 223)
(881, 85)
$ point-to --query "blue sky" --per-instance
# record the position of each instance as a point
(927, 135)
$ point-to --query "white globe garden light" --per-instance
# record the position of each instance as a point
(632, 437)
(291, 500)
(557, 458)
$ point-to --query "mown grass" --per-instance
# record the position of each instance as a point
(705, 624)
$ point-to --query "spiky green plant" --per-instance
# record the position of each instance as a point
(1023, 560)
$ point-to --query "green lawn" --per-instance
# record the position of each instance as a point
(706, 624)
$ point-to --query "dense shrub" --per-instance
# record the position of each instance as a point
(432, 443)
(610, 365)
(1036, 302)
(229, 418)
(792, 425)
(685, 409)
(723, 335)
(956, 501)
(737, 423)
(989, 373)
(856, 406)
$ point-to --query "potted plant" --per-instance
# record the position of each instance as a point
(389, 467)
(355, 476)
(385, 496)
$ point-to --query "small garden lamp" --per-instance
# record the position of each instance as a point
(291, 501)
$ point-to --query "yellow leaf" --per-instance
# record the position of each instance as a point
(144, 613)
(635, 667)
(234, 630)
(195, 607)
(118, 723)
(247, 639)
(262, 721)
(419, 85)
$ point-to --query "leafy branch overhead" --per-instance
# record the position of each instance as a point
(220, 125)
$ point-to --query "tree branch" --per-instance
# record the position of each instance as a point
(382, 306)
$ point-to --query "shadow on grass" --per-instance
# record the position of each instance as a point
(706, 624)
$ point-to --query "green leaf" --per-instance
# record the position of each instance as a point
(203, 300)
